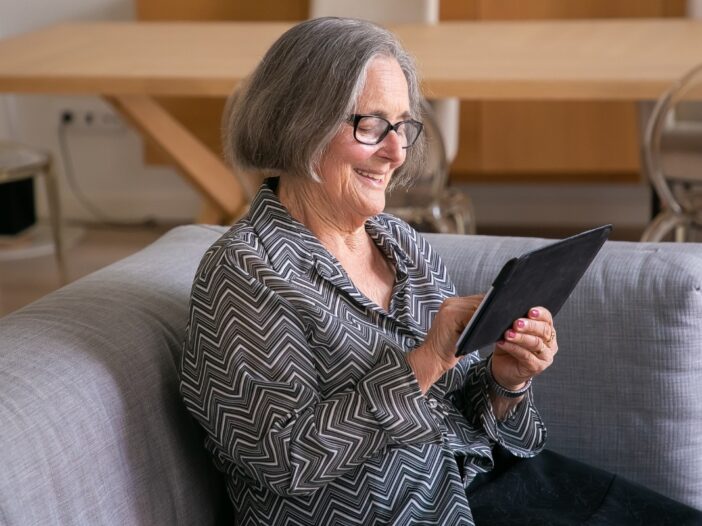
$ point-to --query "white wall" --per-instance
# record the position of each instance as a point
(108, 165)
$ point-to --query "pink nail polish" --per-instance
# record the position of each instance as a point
(511, 334)
(520, 324)
(534, 313)
(500, 342)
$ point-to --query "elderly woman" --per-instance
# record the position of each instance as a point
(320, 349)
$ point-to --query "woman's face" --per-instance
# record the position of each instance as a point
(354, 175)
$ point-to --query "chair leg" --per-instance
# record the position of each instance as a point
(444, 226)
(55, 218)
(211, 214)
(469, 217)
(663, 224)
(681, 233)
(460, 223)
(462, 213)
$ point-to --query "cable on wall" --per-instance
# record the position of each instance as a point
(88, 205)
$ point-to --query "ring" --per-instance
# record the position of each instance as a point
(553, 335)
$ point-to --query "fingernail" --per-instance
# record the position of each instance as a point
(511, 334)
(520, 324)
(500, 342)
(534, 313)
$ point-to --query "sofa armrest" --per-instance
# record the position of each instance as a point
(92, 428)
(625, 391)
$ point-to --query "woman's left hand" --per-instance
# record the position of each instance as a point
(527, 350)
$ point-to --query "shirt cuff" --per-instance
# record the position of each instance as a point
(522, 432)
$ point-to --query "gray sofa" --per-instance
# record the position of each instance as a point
(92, 431)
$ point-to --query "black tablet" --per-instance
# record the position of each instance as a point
(544, 277)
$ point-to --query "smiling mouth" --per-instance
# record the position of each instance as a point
(378, 178)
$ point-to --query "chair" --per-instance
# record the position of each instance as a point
(429, 205)
(672, 158)
(18, 163)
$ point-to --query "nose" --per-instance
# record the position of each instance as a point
(391, 148)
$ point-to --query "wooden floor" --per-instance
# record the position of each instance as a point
(23, 281)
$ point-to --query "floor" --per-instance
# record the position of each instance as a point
(90, 247)
(23, 281)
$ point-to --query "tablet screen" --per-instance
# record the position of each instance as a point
(543, 277)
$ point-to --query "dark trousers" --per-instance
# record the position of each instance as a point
(550, 490)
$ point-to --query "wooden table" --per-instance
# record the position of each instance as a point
(128, 63)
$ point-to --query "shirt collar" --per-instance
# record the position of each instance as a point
(289, 242)
(380, 229)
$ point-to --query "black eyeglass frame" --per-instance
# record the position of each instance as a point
(355, 118)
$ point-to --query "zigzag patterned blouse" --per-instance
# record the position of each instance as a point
(302, 386)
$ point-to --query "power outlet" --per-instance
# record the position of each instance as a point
(90, 120)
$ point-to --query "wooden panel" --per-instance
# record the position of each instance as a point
(555, 137)
(469, 156)
(205, 170)
(574, 141)
(203, 115)
(673, 8)
(458, 9)
(557, 9)
(289, 10)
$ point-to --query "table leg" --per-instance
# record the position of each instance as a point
(226, 195)
(211, 214)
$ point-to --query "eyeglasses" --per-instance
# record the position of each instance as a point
(371, 129)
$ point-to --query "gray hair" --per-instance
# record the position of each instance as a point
(285, 115)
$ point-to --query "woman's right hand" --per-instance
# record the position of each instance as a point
(438, 353)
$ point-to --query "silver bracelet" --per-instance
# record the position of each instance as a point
(498, 389)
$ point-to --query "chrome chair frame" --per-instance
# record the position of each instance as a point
(680, 194)
(431, 205)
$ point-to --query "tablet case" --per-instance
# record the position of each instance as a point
(543, 277)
